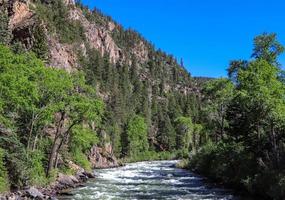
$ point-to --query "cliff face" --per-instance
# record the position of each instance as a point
(23, 18)
(100, 36)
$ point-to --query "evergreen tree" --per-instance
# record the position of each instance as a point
(40, 46)
(5, 33)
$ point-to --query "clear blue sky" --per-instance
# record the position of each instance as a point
(207, 34)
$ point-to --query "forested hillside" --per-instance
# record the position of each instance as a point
(72, 79)
(243, 116)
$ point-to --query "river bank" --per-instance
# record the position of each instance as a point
(63, 182)
(76, 176)
(238, 189)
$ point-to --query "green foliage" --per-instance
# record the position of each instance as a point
(31, 94)
(218, 95)
(266, 47)
(82, 139)
(137, 136)
(81, 159)
(184, 128)
(4, 184)
(37, 175)
(40, 47)
(152, 155)
(247, 119)
(5, 34)
(227, 162)
(55, 14)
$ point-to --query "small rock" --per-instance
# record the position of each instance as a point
(89, 175)
(66, 180)
(34, 193)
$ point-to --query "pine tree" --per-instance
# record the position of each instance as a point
(5, 33)
(40, 45)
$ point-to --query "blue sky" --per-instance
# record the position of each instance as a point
(207, 34)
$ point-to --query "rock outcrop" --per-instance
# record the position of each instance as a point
(22, 20)
(98, 37)
(103, 157)
(62, 56)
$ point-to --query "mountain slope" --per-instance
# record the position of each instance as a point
(144, 90)
(120, 63)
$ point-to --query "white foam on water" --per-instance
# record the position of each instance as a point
(149, 180)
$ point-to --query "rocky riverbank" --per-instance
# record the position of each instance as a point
(99, 158)
(62, 183)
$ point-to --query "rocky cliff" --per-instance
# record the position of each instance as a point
(102, 36)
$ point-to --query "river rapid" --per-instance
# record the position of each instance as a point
(148, 180)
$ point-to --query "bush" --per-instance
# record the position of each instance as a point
(82, 139)
(37, 175)
(5, 33)
(4, 184)
(231, 164)
(81, 159)
(183, 164)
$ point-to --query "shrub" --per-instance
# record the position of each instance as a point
(183, 164)
(82, 139)
(5, 33)
(81, 159)
(4, 184)
(37, 175)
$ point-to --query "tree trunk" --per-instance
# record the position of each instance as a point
(35, 142)
(222, 122)
(31, 131)
(52, 156)
(55, 145)
(274, 146)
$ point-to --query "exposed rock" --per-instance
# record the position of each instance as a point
(98, 37)
(62, 55)
(21, 21)
(69, 2)
(66, 180)
(21, 15)
(34, 193)
(103, 157)
(111, 26)
(141, 52)
(74, 167)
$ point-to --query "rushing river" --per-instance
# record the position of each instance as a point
(148, 180)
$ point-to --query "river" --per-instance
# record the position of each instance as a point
(148, 180)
